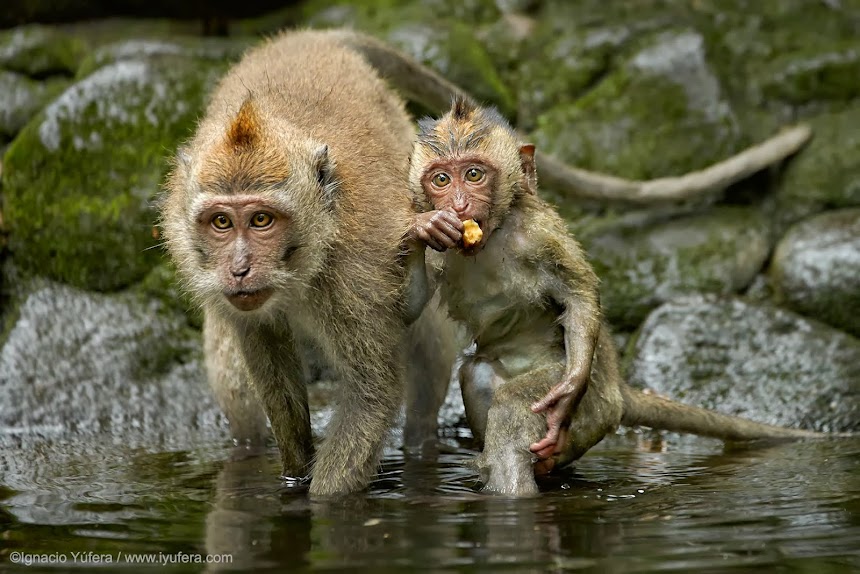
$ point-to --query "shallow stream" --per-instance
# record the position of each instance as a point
(636, 503)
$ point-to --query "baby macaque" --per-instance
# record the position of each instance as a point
(530, 301)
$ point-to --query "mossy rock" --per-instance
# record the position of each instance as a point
(574, 44)
(803, 77)
(782, 51)
(438, 33)
(755, 361)
(642, 266)
(21, 98)
(40, 51)
(162, 284)
(816, 269)
(79, 179)
(215, 49)
(824, 174)
(662, 113)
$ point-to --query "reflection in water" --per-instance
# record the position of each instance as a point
(635, 503)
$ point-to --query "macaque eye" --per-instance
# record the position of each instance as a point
(261, 220)
(221, 222)
(473, 174)
(441, 179)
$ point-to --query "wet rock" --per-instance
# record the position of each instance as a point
(759, 362)
(662, 112)
(40, 51)
(643, 265)
(78, 181)
(82, 363)
(21, 98)
(816, 269)
(824, 174)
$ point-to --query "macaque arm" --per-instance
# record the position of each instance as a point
(276, 374)
(417, 287)
(573, 285)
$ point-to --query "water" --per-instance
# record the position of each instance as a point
(636, 503)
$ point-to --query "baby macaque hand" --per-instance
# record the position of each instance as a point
(440, 229)
(557, 404)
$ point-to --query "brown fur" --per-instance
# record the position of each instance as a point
(529, 298)
(303, 106)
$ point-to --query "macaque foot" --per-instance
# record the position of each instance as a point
(509, 472)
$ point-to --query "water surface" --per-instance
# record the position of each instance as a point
(636, 503)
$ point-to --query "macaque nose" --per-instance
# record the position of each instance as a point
(461, 205)
(239, 272)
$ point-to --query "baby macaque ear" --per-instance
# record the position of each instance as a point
(527, 160)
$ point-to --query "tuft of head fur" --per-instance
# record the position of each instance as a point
(469, 129)
(244, 130)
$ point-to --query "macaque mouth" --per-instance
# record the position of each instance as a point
(249, 300)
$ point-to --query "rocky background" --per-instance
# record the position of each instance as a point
(747, 302)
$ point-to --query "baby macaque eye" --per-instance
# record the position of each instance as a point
(261, 219)
(473, 174)
(441, 179)
(221, 222)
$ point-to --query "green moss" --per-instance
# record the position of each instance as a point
(79, 179)
(661, 114)
(764, 49)
(814, 75)
(40, 51)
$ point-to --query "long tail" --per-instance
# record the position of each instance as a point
(412, 79)
(659, 413)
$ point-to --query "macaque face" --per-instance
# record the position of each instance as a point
(464, 185)
(245, 240)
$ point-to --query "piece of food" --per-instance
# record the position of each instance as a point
(472, 233)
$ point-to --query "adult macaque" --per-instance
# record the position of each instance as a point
(285, 214)
(530, 300)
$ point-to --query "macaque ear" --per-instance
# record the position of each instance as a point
(527, 160)
(183, 158)
(325, 174)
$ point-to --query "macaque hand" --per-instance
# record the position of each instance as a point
(440, 229)
(557, 404)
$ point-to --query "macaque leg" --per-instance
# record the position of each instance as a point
(599, 411)
(230, 382)
(506, 463)
(277, 375)
(432, 346)
(479, 380)
(369, 403)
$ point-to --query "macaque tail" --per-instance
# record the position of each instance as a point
(641, 409)
(414, 81)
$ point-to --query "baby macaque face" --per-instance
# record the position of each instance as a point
(465, 186)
